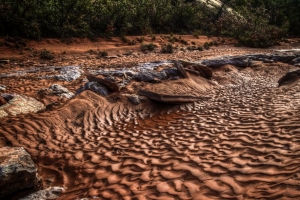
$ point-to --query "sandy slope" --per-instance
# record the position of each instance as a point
(240, 143)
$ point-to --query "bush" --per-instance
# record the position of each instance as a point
(206, 45)
(103, 53)
(125, 39)
(46, 54)
(200, 48)
(167, 48)
(147, 47)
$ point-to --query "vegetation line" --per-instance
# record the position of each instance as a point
(257, 23)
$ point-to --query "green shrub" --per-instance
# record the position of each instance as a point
(182, 41)
(206, 45)
(167, 48)
(140, 39)
(147, 47)
(103, 53)
(200, 48)
(125, 39)
(46, 54)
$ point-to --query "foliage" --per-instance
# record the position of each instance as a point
(167, 48)
(252, 22)
(46, 54)
(148, 47)
(103, 53)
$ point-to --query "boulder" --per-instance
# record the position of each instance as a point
(17, 170)
(150, 76)
(240, 61)
(172, 72)
(203, 70)
(133, 98)
(283, 58)
(95, 87)
(290, 77)
(2, 88)
(178, 91)
(69, 73)
(295, 61)
(58, 90)
(18, 104)
(46, 194)
(180, 68)
(108, 82)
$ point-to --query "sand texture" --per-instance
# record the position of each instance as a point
(241, 142)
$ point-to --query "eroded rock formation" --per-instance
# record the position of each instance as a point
(17, 170)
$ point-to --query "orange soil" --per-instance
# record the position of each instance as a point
(242, 142)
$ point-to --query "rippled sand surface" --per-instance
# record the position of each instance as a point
(242, 142)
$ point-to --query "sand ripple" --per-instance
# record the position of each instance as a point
(242, 143)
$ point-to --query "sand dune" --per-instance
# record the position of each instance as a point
(240, 143)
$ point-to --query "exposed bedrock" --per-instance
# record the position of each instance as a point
(17, 170)
(285, 56)
(290, 77)
(18, 104)
(108, 82)
(95, 87)
(242, 143)
(203, 70)
(57, 90)
(179, 91)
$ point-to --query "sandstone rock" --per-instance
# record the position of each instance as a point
(47, 194)
(69, 73)
(4, 61)
(180, 68)
(108, 82)
(240, 61)
(179, 91)
(17, 170)
(2, 88)
(58, 90)
(172, 72)
(289, 78)
(283, 58)
(150, 76)
(18, 104)
(95, 87)
(133, 98)
(203, 70)
(295, 61)
(2, 101)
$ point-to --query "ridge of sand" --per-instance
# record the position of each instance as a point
(240, 143)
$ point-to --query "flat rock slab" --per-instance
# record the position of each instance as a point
(285, 56)
(111, 84)
(179, 91)
(17, 170)
(20, 104)
(58, 90)
(290, 78)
